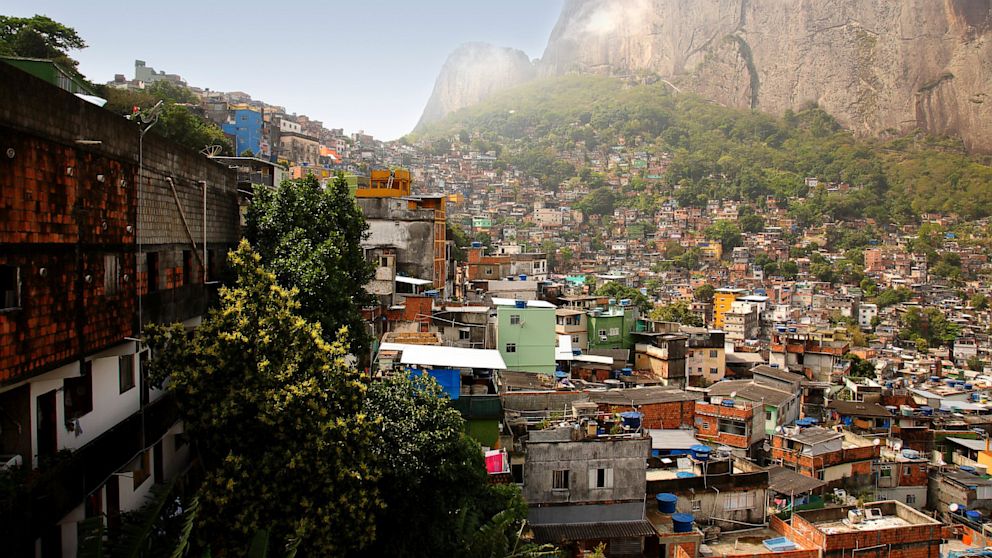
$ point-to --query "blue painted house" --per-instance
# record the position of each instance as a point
(245, 125)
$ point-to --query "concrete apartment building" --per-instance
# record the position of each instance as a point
(84, 267)
(585, 488)
(525, 334)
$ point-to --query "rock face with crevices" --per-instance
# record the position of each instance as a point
(473, 72)
(879, 66)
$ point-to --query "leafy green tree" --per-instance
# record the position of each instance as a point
(976, 363)
(310, 237)
(726, 233)
(751, 223)
(690, 259)
(434, 482)
(276, 419)
(869, 287)
(890, 297)
(179, 124)
(615, 290)
(677, 312)
(789, 269)
(860, 368)
(40, 37)
(930, 325)
(704, 293)
(979, 301)
(597, 202)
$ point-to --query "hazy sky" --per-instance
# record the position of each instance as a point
(363, 64)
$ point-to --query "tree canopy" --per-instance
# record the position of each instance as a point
(40, 37)
(677, 312)
(615, 290)
(310, 237)
(276, 417)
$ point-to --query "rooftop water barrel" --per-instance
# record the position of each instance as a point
(666, 502)
(968, 386)
(684, 475)
(700, 452)
(727, 402)
(631, 419)
(476, 244)
(934, 378)
(521, 304)
(561, 374)
(950, 383)
(974, 515)
(975, 396)
(682, 522)
(626, 371)
(523, 277)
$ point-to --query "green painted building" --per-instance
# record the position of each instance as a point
(610, 328)
(525, 334)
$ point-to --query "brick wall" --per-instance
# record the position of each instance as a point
(69, 210)
(668, 415)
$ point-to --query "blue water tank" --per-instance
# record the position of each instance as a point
(476, 244)
(968, 386)
(700, 452)
(561, 374)
(521, 304)
(684, 475)
(682, 522)
(974, 515)
(626, 371)
(631, 419)
(727, 402)
(523, 277)
(666, 502)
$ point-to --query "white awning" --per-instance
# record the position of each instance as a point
(454, 357)
(413, 281)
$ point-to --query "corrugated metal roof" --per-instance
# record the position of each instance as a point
(787, 481)
(562, 532)
(455, 357)
(641, 396)
(672, 439)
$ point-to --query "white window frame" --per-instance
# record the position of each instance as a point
(607, 478)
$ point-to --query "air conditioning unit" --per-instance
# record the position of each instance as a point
(603, 338)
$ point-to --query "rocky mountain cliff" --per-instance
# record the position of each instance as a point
(473, 72)
(878, 66)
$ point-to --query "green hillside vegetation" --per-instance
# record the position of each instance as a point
(718, 152)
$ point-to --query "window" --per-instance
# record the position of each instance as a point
(511, 347)
(464, 334)
(126, 372)
(152, 271)
(713, 354)
(514, 319)
(697, 505)
(559, 479)
(885, 472)
(768, 415)
(601, 478)
(10, 287)
(489, 271)
(602, 333)
(738, 501)
(713, 371)
(732, 427)
(614, 331)
(910, 498)
(111, 275)
(78, 394)
(383, 261)
(575, 339)
(517, 471)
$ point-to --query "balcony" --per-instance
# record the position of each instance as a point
(50, 494)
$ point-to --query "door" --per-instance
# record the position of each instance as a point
(47, 426)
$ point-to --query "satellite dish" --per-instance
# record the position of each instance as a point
(212, 150)
(897, 444)
(953, 508)
(876, 442)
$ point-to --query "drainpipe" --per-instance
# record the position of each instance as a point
(204, 183)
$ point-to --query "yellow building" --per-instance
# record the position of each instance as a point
(723, 299)
(386, 184)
